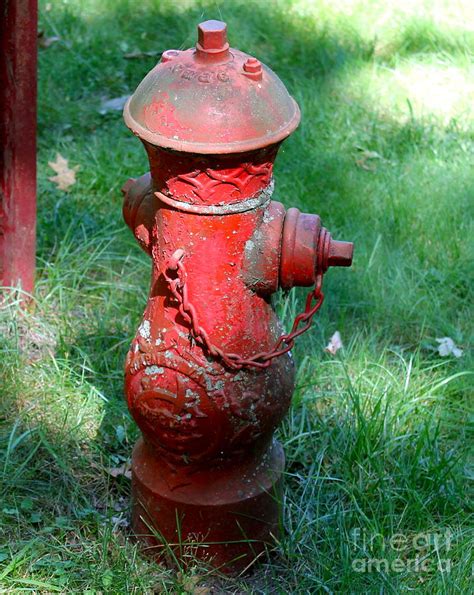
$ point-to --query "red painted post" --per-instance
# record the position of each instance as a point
(18, 61)
(209, 375)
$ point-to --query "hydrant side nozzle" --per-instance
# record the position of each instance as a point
(134, 191)
(299, 251)
(128, 184)
(139, 209)
(261, 268)
(308, 250)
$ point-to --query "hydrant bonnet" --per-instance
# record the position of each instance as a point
(211, 99)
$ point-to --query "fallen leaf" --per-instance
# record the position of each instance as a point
(335, 343)
(45, 42)
(448, 347)
(138, 54)
(66, 177)
(115, 104)
(371, 155)
(124, 470)
(366, 159)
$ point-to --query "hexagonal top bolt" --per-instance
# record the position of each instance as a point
(212, 35)
(253, 69)
(212, 43)
(252, 65)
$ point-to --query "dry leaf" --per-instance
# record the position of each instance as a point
(448, 347)
(366, 159)
(115, 104)
(335, 343)
(45, 42)
(124, 470)
(66, 177)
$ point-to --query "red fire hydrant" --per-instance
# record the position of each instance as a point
(209, 375)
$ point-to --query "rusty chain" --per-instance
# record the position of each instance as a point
(178, 288)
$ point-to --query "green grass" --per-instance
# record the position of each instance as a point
(378, 439)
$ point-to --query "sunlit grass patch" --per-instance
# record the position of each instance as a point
(428, 89)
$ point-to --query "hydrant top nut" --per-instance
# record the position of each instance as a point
(212, 35)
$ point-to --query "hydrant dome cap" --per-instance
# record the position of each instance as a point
(211, 99)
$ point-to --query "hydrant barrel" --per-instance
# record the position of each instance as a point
(209, 375)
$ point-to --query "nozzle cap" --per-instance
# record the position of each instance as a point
(340, 254)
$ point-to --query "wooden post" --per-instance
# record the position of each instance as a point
(18, 90)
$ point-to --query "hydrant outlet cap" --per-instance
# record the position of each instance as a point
(340, 253)
(211, 99)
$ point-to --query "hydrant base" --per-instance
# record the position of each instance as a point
(225, 516)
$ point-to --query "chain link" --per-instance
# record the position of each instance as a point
(178, 288)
